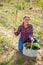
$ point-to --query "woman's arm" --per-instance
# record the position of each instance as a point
(31, 32)
(18, 31)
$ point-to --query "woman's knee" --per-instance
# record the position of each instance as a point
(29, 40)
(20, 44)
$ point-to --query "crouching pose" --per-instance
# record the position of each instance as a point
(26, 33)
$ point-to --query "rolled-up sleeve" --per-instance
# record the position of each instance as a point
(18, 31)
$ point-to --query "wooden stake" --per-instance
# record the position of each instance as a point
(12, 35)
(15, 18)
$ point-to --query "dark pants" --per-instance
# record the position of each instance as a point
(21, 42)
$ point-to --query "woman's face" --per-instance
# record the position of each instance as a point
(26, 21)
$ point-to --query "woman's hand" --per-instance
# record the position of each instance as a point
(14, 29)
(32, 38)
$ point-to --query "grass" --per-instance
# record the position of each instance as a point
(4, 63)
(18, 61)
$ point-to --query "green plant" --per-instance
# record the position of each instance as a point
(39, 2)
(1, 49)
(35, 46)
(20, 5)
(2, 38)
(27, 45)
(7, 43)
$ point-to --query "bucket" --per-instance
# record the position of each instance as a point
(29, 52)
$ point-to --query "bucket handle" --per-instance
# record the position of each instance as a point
(31, 44)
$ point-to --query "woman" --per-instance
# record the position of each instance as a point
(26, 33)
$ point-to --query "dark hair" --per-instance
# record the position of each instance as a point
(26, 17)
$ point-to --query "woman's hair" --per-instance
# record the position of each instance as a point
(26, 17)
